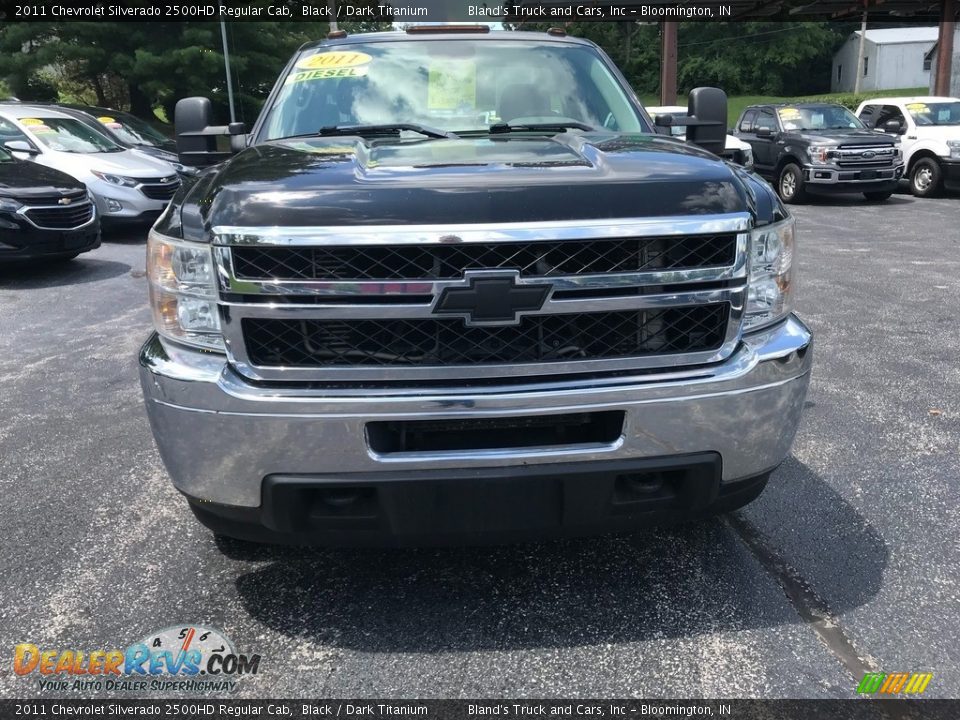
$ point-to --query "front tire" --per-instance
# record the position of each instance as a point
(925, 177)
(878, 195)
(790, 185)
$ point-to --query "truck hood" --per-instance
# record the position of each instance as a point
(517, 178)
(847, 137)
(23, 180)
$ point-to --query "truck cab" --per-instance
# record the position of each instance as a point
(453, 287)
(929, 132)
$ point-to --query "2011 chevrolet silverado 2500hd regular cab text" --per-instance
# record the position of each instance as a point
(454, 287)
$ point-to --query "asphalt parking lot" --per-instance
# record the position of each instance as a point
(850, 560)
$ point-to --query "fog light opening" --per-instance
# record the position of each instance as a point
(113, 205)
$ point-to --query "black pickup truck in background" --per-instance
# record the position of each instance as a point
(819, 148)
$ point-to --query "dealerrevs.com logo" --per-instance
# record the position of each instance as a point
(189, 658)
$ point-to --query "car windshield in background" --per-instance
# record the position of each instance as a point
(133, 130)
(69, 135)
(935, 113)
(460, 86)
(826, 117)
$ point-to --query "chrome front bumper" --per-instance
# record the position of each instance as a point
(220, 436)
(830, 175)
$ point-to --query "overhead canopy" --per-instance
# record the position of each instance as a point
(880, 10)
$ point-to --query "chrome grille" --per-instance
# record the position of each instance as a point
(542, 259)
(160, 188)
(442, 342)
(866, 156)
(356, 304)
(60, 217)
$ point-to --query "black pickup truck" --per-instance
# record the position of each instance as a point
(819, 148)
(453, 285)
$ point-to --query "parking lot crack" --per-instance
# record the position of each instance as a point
(811, 608)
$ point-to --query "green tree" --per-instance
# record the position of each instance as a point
(742, 57)
(144, 66)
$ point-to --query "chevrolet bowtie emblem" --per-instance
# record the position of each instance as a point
(64, 201)
(491, 297)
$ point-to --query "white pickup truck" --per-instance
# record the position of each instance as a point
(929, 129)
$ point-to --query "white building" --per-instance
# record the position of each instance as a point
(955, 71)
(893, 59)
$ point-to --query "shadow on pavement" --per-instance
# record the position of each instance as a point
(40, 273)
(857, 199)
(672, 582)
(125, 233)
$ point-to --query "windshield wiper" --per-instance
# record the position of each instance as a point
(557, 127)
(392, 129)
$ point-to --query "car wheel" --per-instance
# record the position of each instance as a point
(790, 184)
(879, 195)
(925, 177)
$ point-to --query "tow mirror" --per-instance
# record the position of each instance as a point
(706, 119)
(21, 146)
(197, 138)
(709, 107)
(764, 132)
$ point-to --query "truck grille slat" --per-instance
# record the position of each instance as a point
(446, 341)
(537, 259)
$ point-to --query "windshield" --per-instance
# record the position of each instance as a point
(935, 113)
(133, 130)
(823, 117)
(454, 85)
(69, 135)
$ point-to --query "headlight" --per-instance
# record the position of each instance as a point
(183, 291)
(116, 179)
(771, 285)
(954, 146)
(820, 153)
(9, 205)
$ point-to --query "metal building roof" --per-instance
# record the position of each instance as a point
(897, 36)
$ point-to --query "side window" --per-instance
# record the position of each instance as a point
(9, 131)
(888, 113)
(868, 116)
(766, 120)
(746, 125)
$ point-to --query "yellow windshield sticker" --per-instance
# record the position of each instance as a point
(106, 119)
(788, 113)
(917, 107)
(325, 74)
(324, 66)
(333, 60)
(452, 85)
(31, 121)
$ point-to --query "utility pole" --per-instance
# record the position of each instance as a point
(860, 59)
(226, 64)
(668, 63)
(945, 48)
